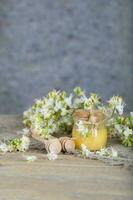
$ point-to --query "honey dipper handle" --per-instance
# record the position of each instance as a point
(37, 137)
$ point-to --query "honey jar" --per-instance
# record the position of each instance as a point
(89, 129)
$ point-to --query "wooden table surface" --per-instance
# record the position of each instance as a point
(67, 178)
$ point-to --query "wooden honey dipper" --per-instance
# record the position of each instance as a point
(52, 145)
(68, 144)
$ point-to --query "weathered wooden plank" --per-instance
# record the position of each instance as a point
(66, 178)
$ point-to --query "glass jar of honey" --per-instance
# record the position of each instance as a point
(89, 129)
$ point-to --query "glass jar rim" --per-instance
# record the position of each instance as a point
(82, 114)
(93, 116)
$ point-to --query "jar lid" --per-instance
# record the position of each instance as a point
(81, 113)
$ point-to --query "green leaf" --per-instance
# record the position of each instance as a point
(78, 91)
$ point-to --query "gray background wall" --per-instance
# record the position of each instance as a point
(60, 44)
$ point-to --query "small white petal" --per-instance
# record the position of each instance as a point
(68, 100)
(114, 153)
(83, 147)
(30, 158)
(52, 156)
(120, 108)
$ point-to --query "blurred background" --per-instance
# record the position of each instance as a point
(46, 44)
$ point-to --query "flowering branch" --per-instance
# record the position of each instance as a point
(54, 114)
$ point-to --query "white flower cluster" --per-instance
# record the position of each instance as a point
(126, 135)
(109, 152)
(53, 113)
(50, 114)
(86, 152)
(16, 144)
(127, 132)
(124, 129)
(117, 104)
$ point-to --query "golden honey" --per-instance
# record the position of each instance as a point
(95, 137)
